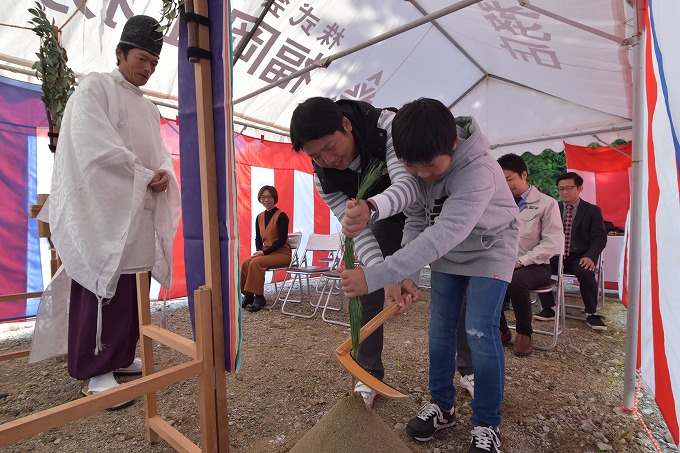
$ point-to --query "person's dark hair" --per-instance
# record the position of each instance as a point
(272, 190)
(125, 48)
(570, 175)
(314, 118)
(513, 163)
(422, 130)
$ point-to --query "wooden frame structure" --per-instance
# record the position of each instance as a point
(206, 353)
(201, 365)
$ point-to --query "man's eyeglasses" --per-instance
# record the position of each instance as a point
(566, 188)
(266, 197)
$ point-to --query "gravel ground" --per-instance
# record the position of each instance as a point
(558, 401)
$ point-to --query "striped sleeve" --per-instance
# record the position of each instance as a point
(403, 190)
(366, 246)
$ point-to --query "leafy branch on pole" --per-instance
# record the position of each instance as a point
(57, 78)
(169, 13)
(373, 173)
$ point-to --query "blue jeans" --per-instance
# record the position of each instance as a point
(484, 304)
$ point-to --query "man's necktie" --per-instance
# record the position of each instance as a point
(568, 220)
(520, 203)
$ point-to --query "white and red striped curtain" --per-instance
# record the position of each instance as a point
(659, 351)
(261, 162)
(606, 178)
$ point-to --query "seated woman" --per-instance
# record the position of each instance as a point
(273, 249)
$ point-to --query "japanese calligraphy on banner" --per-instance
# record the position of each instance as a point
(270, 57)
(514, 21)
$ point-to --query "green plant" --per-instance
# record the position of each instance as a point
(57, 78)
(373, 173)
(169, 13)
(544, 170)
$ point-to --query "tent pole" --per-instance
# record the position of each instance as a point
(635, 233)
(24, 67)
(244, 42)
(561, 136)
(325, 62)
(623, 41)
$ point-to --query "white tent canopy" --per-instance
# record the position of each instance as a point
(526, 77)
(530, 77)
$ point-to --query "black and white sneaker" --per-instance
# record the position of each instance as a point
(547, 314)
(485, 440)
(430, 419)
(595, 322)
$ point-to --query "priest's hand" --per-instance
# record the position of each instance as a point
(160, 181)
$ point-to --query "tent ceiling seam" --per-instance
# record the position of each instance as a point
(449, 38)
(521, 85)
(561, 136)
(622, 41)
(468, 91)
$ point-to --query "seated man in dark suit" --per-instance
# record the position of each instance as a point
(584, 239)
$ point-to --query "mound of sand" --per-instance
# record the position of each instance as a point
(350, 427)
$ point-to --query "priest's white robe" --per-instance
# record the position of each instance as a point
(104, 218)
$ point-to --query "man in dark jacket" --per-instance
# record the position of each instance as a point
(342, 138)
(585, 237)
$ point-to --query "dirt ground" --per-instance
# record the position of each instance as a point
(557, 401)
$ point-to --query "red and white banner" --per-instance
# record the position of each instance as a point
(659, 353)
(606, 178)
(261, 162)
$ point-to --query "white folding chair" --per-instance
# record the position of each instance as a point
(294, 239)
(330, 287)
(326, 244)
(570, 279)
(556, 286)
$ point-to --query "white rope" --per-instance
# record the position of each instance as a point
(98, 342)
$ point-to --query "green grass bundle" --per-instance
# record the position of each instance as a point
(368, 179)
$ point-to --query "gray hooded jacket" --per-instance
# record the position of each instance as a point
(465, 223)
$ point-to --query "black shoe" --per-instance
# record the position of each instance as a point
(485, 440)
(247, 300)
(257, 304)
(430, 419)
(547, 314)
(595, 322)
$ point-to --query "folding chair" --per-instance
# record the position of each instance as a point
(570, 279)
(331, 286)
(328, 244)
(294, 239)
(557, 286)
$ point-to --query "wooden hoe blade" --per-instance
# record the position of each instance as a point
(347, 361)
